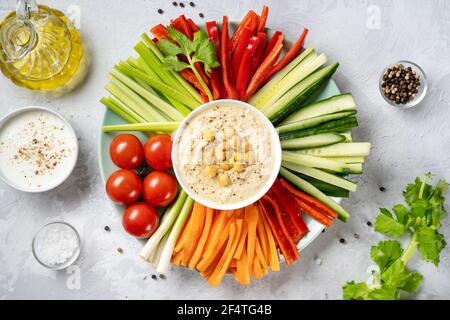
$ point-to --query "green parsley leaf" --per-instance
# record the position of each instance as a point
(184, 42)
(385, 253)
(205, 51)
(169, 48)
(355, 291)
(401, 212)
(396, 275)
(385, 292)
(413, 282)
(172, 63)
(386, 224)
(431, 244)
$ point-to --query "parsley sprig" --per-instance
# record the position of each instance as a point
(199, 49)
(421, 218)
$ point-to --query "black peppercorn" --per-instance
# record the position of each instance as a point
(107, 228)
(181, 4)
(201, 15)
(175, 4)
(342, 240)
(192, 4)
(369, 223)
(160, 11)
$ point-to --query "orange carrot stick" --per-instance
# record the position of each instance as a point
(201, 243)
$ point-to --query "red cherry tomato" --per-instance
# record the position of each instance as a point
(140, 220)
(126, 151)
(159, 188)
(124, 187)
(158, 152)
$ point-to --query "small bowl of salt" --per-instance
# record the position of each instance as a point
(56, 245)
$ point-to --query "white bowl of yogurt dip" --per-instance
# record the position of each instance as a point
(38, 149)
(226, 154)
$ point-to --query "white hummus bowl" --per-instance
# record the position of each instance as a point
(276, 157)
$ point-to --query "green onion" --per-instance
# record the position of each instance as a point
(166, 223)
(166, 255)
(144, 127)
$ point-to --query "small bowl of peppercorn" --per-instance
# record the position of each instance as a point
(403, 84)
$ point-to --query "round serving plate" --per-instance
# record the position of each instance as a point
(107, 167)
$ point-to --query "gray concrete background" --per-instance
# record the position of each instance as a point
(406, 143)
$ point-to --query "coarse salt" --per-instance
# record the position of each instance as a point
(56, 244)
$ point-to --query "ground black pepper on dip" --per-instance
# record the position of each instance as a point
(400, 84)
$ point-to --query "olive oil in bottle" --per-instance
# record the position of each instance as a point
(41, 50)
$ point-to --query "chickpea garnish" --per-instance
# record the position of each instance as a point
(235, 142)
(225, 166)
(238, 157)
(224, 179)
(238, 167)
(209, 135)
(210, 171)
(228, 132)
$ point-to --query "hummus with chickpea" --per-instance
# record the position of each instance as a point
(225, 154)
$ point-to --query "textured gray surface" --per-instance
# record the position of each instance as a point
(406, 143)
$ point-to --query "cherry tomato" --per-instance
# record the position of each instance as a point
(126, 151)
(124, 187)
(158, 152)
(159, 188)
(140, 220)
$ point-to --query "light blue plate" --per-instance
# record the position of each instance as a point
(107, 167)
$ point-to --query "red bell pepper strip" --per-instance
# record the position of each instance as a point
(160, 32)
(287, 246)
(290, 55)
(270, 45)
(244, 71)
(265, 66)
(190, 77)
(240, 49)
(249, 21)
(192, 25)
(289, 205)
(263, 19)
(314, 213)
(224, 60)
(216, 73)
(310, 200)
(259, 51)
(182, 25)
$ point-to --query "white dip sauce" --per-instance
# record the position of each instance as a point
(36, 149)
(225, 154)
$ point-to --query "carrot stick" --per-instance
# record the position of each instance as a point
(257, 268)
(310, 200)
(242, 269)
(251, 217)
(260, 256)
(183, 236)
(273, 259)
(262, 236)
(241, 245)
(198, 220)
(222, 268)
(201, 242)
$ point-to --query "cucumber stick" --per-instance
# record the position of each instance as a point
(348, 159)
(259, 98)
(348, 136)
(361, 149)
(317, 140)
(321, 175)
(338, 103)
(303, 70)
(336, 126)
(317, 162)
(313, 122)
(300, 93)
(316, 193)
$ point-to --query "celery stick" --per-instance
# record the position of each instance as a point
(134, 101)
(166, 255)
(155, 100)
(158, 85)
(166, 223)
(117, 110)
(177, 76)
(144, 127)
